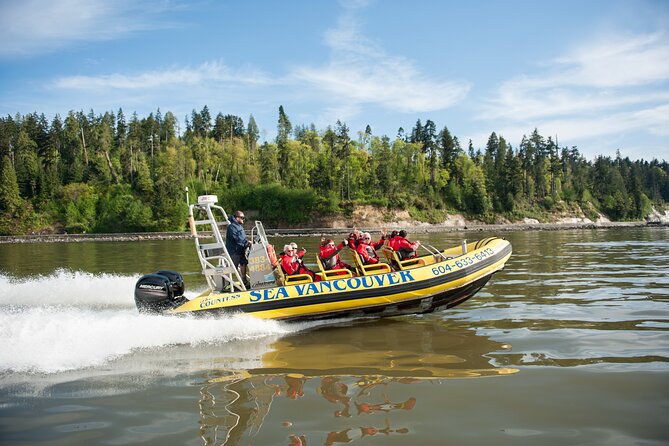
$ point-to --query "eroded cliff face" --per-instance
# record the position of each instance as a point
(372, 217)
(658, 216)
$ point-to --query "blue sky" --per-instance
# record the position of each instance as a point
(593, 73)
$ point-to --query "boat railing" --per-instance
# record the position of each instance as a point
(258, 234)
(217, 265)
(433, 251)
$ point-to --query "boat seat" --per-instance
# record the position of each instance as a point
(394, 259)
(294, 279)
(329, 274)
(369, 270)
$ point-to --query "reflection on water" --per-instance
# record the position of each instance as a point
(579, 298)
(357, 370)
(581, 316)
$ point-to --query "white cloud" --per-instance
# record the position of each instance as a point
(608, 88)
(391, 83)
(591, 78)
(514, 101)
(653, 119)
(206, 73)
(601, 133)
(361, 72)
(36, 26)
(617, 61)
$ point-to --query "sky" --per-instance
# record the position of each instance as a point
(594, 74)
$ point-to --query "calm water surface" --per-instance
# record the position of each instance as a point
(569, 345)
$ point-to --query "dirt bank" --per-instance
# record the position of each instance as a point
(372, 219)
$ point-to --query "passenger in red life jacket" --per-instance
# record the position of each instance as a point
(391, 237)
(291, 262)
(405, 249)
(329, 254)
(353, 238)
(367, 249)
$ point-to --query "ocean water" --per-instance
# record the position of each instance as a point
(568, 345)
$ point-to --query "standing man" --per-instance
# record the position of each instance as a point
(236, 242)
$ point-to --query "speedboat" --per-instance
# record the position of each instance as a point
(437, 280)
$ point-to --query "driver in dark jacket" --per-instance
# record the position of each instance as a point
(236, 242)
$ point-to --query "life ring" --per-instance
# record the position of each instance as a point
(271, 254)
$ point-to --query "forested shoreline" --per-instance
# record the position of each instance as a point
(106, 173)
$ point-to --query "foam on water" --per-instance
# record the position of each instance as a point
(73, 320)
(69, 288)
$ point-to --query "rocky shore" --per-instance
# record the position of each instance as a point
(278, 232)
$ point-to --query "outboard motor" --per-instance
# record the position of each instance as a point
(178, 286)
(155, 293)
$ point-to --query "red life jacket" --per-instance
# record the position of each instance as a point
(367, 253)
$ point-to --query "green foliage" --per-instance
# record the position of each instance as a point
(329, 204)
(378, 202)
(78, 207)
(644, 206)
(473, 186)
(21, 221)
(275, 203)
(399, 201)
(548, 203)
(589, 205)
(120, 211)
(433, 216)
(106, 173)
(10, 200)
(170, 211)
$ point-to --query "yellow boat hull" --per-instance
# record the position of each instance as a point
(440, 283)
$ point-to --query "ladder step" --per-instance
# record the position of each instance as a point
(211, 246)
(219, 271)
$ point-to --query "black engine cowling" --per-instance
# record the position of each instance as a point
(177, 282)
(155, 293)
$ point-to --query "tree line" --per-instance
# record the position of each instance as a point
(106, 173)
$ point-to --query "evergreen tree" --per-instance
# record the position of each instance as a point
(448, 149)
(10, 199)
(489, 162)
(121, 129)
(170, 209)
(284, 128)
(143, 182)
(86, 166)
(269, 163)
(417, 133)
(343, 152)
(26, 164)
(430, 148)
(72, 151)
(383, 166)
(50, 180)
(205, 117)
(324, 177)
(168, 127)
